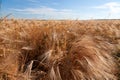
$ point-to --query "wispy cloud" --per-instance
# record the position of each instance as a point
(42, 10)
(33, 1)
(112, 7)
(47, 11)
(54, 3)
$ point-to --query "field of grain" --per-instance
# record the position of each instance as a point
(59, 50)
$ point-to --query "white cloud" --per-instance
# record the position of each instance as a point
(111, 7)
(33, 1)
(46, 11)
(54, 3)
(42, 10)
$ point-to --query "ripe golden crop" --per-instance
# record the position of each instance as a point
(59, 50)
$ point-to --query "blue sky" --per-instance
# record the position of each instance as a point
(61, 9)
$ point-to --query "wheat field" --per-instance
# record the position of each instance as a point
(59, 50)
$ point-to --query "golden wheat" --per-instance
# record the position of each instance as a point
(59, 50)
